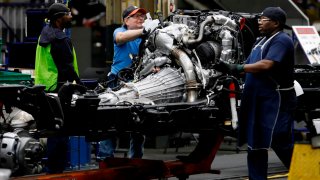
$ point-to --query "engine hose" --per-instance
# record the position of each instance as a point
(188, 41)
(188, 69)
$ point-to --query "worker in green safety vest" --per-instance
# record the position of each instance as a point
(55, 65)
(56, 61)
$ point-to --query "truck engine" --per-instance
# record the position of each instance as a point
(185, 49)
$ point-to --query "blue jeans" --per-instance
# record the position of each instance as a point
(107, 147)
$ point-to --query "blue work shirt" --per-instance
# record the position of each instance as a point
(121, 58)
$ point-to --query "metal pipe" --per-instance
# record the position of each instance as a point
(188, 41)
(187, 66)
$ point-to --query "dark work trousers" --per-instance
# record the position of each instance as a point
(282, 144)
(57, 154)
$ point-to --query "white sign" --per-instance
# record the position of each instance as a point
(309, 40)
(316, 123)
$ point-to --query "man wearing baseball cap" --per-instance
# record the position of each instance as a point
(268, 100)
(126, 42)
(55, 56)
(127, 38)
(276, 14)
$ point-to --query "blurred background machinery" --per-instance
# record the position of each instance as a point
(95, 21)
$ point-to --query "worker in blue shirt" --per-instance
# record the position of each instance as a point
(126, 41)
(268, 100)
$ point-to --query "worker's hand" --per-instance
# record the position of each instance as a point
(229, 68)
(150, 25)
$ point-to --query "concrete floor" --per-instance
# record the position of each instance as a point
(231, 164)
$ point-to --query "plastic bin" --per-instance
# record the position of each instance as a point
(79, 152)
(8, 77)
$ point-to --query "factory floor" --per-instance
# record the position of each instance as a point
(229, 161)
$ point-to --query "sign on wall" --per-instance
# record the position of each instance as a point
(309, 40)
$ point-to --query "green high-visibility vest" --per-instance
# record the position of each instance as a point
(46, 72)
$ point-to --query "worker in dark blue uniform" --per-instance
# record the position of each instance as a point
(268, 100)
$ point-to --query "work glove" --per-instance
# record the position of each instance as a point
(150, 25)
(229, 68)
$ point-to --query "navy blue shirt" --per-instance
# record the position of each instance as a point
(279, 49)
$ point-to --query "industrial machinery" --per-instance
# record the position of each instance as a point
(173, 86)
(21, 151)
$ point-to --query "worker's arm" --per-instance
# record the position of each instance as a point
(129, 35)
(260, 66)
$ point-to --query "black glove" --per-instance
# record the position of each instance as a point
(229, 68)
